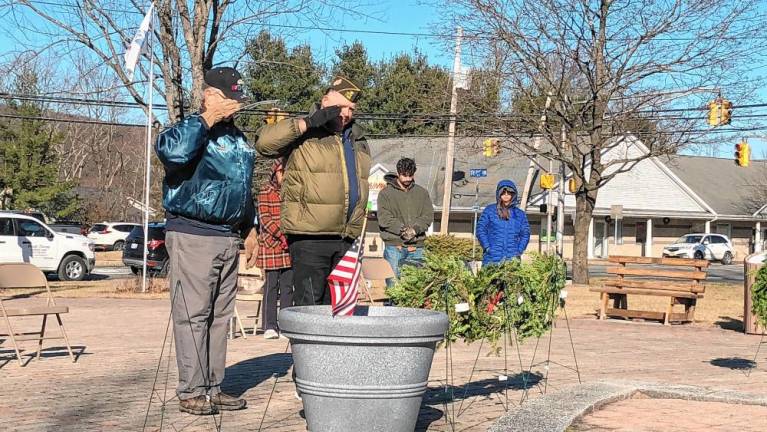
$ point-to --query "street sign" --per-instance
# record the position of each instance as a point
(478, 172)
(616, 212)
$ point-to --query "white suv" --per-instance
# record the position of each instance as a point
(26, 239)
(111, 235)
(702, 246)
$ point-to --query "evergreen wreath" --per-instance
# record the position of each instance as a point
(523, 295)
(759, 296)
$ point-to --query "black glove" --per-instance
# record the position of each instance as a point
(321, 117)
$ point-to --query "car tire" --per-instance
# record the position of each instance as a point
(118, 246)
(135, 270)
(698, 255)
(72, 268)
(727, 258)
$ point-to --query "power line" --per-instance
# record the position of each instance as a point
(387, 116)
(393, 135)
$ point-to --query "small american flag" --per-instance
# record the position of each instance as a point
(344, 280)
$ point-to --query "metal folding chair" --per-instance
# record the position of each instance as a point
(27, 276)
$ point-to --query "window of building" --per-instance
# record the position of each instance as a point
(724, 229)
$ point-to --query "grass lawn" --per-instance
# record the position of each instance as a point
(722, 304)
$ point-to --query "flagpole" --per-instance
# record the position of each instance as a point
(148, 167)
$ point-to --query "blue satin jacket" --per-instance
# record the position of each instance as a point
(208, 172)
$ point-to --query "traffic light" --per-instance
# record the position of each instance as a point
(491, 147)
(487, 147)
(719, 112)
(572, 186)
(547, 181)
(274, 115)
(742, 154)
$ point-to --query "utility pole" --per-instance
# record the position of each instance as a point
(561, 202)
(448, 194)
(549, 211)
(531, 168)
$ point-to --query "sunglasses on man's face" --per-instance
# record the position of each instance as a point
(507, 192)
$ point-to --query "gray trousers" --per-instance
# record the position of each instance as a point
(203, 286)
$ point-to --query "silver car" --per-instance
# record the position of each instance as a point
(702, 246)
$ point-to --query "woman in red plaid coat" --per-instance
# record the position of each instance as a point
(273, 255)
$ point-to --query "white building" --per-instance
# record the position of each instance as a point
(660, 198)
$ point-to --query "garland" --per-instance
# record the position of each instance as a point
(519, 295)
(759, 296)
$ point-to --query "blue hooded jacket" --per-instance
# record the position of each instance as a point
(208, 173)
(501, 239)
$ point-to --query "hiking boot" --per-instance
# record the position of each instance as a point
(199, 405)
(228, 403)
(271, 334)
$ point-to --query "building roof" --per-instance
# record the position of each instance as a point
(727, 188)
(429, 155)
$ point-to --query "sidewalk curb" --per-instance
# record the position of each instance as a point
(556, 412)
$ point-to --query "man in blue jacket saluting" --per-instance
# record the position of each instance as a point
(503, 230)
(209, 207)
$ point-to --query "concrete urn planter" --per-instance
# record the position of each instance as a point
(367, 372)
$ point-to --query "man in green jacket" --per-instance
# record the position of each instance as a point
(325, 186)
(405, 212)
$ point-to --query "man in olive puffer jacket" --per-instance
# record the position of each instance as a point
(325, 186)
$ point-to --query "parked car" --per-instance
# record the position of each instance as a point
(26, 239)
(71, 227)
(111, 235)
(157, 254)
(702, 246)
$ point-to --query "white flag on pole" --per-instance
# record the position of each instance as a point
(132, 55)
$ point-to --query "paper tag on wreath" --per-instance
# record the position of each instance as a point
(461, 307)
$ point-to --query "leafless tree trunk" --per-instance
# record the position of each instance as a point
(612, 68)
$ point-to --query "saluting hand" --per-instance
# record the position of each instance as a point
(215, 107)
(322, 116)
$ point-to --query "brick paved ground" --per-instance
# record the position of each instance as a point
(670, 415)
(110, 385)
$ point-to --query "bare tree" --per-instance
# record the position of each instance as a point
(612, 70)
(189, 34)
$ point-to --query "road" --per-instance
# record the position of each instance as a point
(716, 272)
(100, 273)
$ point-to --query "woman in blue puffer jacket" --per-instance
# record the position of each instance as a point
(503, 230)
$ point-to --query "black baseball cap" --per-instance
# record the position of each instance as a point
(228, 80)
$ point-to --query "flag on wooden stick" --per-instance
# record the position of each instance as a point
(345, 278)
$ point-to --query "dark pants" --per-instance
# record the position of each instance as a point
(278, 283)
(313, 258)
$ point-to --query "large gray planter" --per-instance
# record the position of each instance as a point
(367, 372)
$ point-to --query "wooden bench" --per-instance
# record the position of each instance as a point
(679, 279)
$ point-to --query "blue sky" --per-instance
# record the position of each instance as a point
(404, 16)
